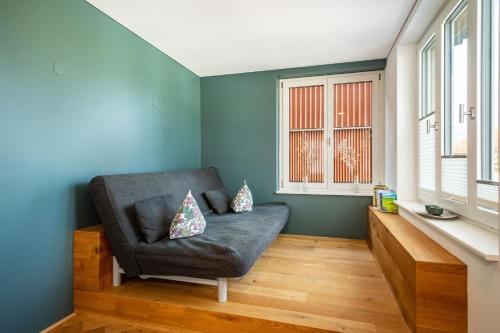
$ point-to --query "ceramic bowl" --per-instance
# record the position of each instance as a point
(434, 210)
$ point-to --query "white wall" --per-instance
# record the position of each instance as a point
(391, 88)
(400, 113)
(406, 115)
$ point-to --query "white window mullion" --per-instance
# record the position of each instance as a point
(330, 138)
(473, 78)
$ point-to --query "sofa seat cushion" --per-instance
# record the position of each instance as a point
(229, 246)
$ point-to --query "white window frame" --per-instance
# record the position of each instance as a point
(329, 187)
(482, 217)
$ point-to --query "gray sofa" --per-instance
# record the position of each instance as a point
(228, 248)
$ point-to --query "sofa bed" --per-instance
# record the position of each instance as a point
(228, 248)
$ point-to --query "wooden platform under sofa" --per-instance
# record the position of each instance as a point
(299, 284)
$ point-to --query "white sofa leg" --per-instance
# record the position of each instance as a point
(222, 289)
(117, 277)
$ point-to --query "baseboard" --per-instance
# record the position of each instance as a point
(59, 323)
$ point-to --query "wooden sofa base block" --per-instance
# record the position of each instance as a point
(92, 259)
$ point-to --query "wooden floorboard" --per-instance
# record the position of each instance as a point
(300, 283)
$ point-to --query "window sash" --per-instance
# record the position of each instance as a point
(449, 112)
(289, 173)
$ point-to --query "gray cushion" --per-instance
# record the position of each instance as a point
(218, 200)
(114, 197)
(155, 215)
(229, 246)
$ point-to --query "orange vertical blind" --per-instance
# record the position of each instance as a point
(352, 132)
(306, 136)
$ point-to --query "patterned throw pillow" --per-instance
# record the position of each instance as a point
(243, 201)
(189, 220)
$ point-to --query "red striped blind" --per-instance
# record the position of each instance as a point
(307, 107)
(307, 119)
(352, 132)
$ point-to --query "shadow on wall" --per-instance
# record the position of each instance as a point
(86, 214)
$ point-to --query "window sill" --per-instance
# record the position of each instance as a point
(476, 239)
(327, 192)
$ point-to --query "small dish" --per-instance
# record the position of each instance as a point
(445, 216)
(434, 210)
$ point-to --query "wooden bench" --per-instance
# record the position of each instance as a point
(429, 283)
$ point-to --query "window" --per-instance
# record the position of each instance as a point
(458, 112)
(329, 131)
(427, 122)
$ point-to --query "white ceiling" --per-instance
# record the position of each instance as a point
(213, 37)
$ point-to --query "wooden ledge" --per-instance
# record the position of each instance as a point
(418, 245)
(429, 283)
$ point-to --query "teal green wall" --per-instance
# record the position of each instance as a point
(57, 132)
(239, 136)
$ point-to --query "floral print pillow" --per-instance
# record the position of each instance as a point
(243, 201)
(189, 220)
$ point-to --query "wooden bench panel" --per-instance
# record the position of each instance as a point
(430, 284)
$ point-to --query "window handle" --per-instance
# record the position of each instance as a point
(329, 140)
(461, 113)
(435, 126)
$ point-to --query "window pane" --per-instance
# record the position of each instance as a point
(428, 79)
(454, 177)
(352, 134)
(427, 150)
(306, 134)
(459, 83)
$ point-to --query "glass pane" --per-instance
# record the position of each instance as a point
(458, 59)
(353, 155)
(352, 133)
(306, 157)
(306, 135)
(428, 79)
(454, 177)
(427, 150)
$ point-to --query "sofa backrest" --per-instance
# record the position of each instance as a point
(114, 197)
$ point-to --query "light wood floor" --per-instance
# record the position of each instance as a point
(89, 322)
(300, 283)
